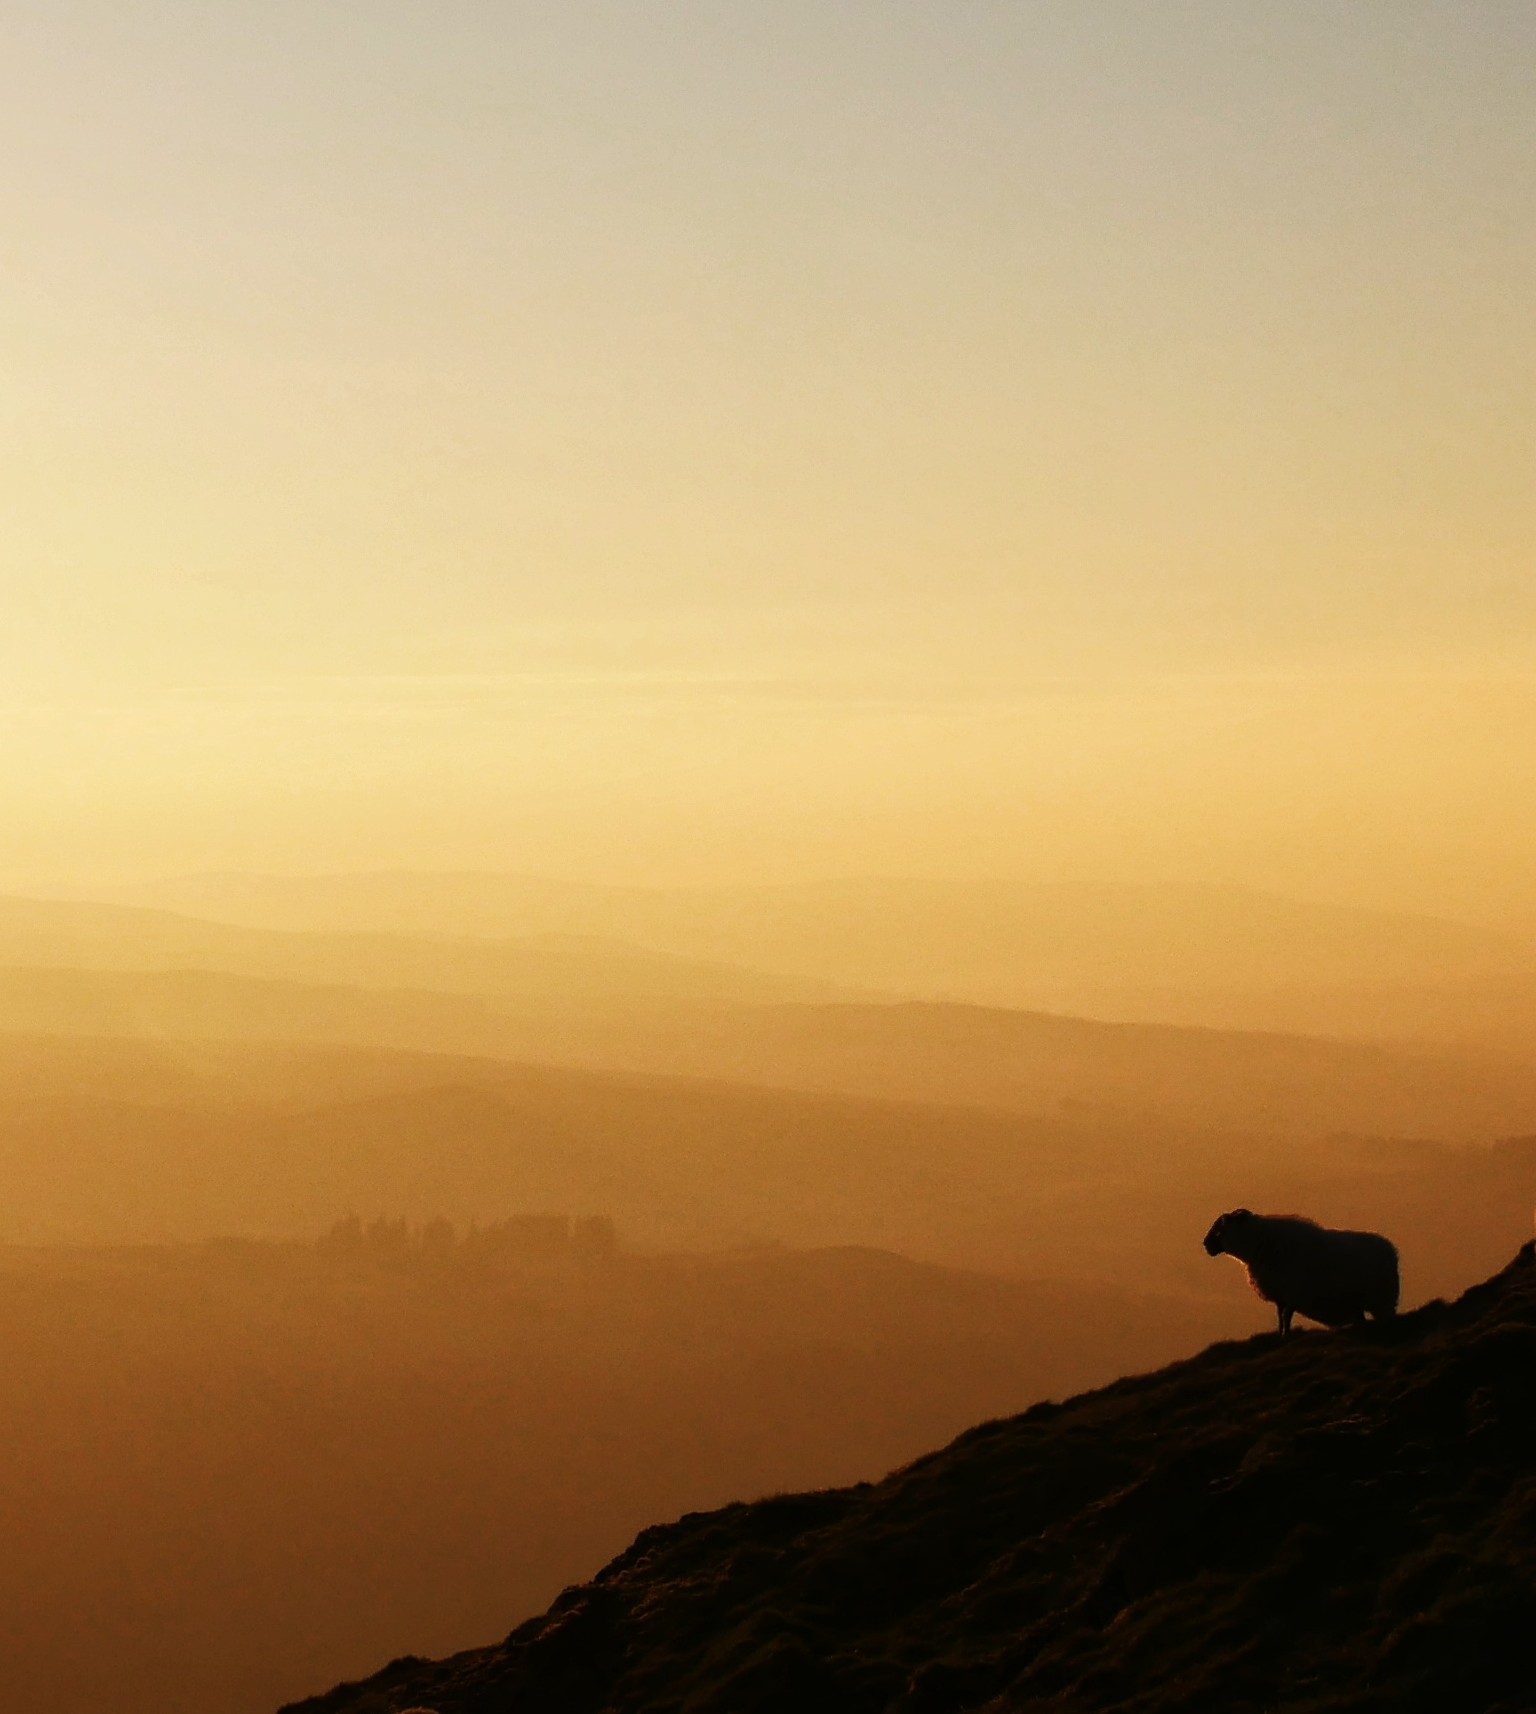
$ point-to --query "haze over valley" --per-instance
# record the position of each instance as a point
(632, 1228)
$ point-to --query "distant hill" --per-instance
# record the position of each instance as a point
(1493, 1012)
(1259, 1082)
(66, 934)
(1343, 1524)
(1051, 946)
(135, 1140)
(1267, 1083)
(139, 1140)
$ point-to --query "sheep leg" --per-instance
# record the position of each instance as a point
(1284, 1315)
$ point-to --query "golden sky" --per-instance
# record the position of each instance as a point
(697, 440)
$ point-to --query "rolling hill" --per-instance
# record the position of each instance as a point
(1341, 1525)
(66, 934)
(1266, 1083)
(145, 1141)
(1151, 952)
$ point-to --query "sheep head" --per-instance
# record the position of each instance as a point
(1218, 1241)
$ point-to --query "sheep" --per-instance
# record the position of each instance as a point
(1337, 1278)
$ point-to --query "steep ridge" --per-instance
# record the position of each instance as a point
(1346, 1523)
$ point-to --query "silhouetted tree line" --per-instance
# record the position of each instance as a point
(520, 1237)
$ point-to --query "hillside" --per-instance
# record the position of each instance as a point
(1341, 1525)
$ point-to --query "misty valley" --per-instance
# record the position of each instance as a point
(355, 1317)
(245, 1470)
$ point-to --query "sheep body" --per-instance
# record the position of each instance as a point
(1335, 1277)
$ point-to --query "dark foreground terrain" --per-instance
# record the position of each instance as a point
(1346, 1522)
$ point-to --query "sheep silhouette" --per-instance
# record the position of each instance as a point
(1333, 1277)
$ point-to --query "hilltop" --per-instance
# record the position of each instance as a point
(1342, 1523)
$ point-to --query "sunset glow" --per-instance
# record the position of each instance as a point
(713, 442)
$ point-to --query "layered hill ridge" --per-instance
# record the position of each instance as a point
(990, 940)
(71, 935)
(134, 1141)
(946, 1053)
(1180, 953)
(993, 929)
(1344, 1523)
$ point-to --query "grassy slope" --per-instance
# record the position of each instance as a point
(1343, 1524)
